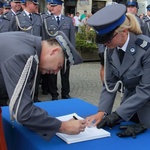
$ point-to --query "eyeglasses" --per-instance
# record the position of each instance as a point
(107, 38)
(111, 38)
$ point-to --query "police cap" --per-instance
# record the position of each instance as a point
(6, 4)
(148, 7)
(69, 50)
(106, 21)
(33, 1)
(16, 1)
(132, 3)
(1, 4)
(56, 2)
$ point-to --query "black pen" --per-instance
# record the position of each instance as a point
(75, 117)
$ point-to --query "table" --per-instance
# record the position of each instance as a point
(21, 138)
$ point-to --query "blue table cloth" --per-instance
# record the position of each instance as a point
(21, 138)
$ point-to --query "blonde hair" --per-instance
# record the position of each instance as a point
(130, 23)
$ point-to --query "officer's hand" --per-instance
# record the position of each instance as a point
(72, 126)
(109, 120)
(132, 130)
(93, 120)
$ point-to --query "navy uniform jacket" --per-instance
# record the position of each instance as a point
(13, 58)
(65, 25)
(25, 22)
(135, 75)
(4, 23)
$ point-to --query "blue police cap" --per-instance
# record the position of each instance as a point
(16, 1)
(148, 7)
(132, 3)
(6, 4)
(1, 4)
(106, 21)
(56, 2)
(23, 1)
(48, 1)
(34, 1)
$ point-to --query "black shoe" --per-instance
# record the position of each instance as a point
(54, 98)
(45, 93)
(66, 96)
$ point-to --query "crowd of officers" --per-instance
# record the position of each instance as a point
(18, 15)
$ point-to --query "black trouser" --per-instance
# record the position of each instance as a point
(65, 85)
(49, 84)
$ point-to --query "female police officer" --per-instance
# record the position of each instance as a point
(19, 63)
(120, 32)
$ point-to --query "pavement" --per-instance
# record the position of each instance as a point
(85, 84)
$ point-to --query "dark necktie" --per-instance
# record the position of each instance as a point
(30, 16)
(58, 20)
(121, 55)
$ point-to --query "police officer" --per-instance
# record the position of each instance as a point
(27, 20)
(132, 7)
(48, 12)
(4, 21)
(52, 24)
(1, 8)
(127, 63)
(147, 19)
(20, 60)
(15, 8)
(6, 7)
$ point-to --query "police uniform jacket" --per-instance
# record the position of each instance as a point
(25, 24)
(135, 75)
(143, 25)
(9, 14)
(13, 57)
(147, 21)
(65, 25)
(4, 23)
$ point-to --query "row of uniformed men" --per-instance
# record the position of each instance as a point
(44, 25)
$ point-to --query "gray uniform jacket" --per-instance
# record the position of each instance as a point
(9, 14)
(65, 25)
(24, 23)
(147, 21)
(13, 57)
(143, 25)
(135, 75)
(4, 23)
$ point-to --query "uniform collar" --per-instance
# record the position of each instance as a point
(124, 47)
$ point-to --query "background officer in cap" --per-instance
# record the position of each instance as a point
(132, 7)
(20, 60)
(28, 21)
(127, 62)
(52, 24)
(6, 7)
(147, 19)
(4, 21)
(15, 8)
(48, 12)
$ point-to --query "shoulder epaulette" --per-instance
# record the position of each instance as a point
(143, 44)
(5, 17)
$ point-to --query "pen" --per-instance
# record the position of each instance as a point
(75, 117)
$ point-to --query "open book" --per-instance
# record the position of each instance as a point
(90, 133)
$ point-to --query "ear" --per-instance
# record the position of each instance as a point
(54, 51)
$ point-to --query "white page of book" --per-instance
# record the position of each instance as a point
(89, 133)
